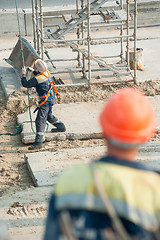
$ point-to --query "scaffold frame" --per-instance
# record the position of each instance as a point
(81, 23)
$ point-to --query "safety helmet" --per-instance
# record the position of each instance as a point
(128, 118)
(40, 65)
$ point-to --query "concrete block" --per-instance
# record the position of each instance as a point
(150, 147)
(45, 167)
(10, 82)
(80, 119)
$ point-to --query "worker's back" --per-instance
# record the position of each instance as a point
(115, 197)
(131, 188)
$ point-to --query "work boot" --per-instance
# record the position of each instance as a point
(36, 145)
(60, 127)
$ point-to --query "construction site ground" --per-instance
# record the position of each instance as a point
(22, 205)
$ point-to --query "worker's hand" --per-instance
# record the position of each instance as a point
(23, 71)
(30, 69)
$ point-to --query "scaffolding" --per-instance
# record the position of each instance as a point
(80, 23)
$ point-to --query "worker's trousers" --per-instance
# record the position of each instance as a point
(44, 114)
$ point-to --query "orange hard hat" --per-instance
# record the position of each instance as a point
(128, 117)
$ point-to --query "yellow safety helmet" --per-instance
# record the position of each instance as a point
(40, 65)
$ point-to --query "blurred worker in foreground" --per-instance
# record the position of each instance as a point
(113, 197)
(46, 90)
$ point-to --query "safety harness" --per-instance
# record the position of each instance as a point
(50, 93)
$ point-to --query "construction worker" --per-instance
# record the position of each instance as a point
(46, 91)
(114, 197)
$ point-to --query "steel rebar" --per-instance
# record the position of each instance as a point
(121, 32)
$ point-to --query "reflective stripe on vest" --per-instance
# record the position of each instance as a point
(126, 187)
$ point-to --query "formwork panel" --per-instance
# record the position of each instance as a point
(15, 59)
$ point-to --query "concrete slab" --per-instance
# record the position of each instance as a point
(45, 167)
(29, 55)
(10, 82)
(81, 120)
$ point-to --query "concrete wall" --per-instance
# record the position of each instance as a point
(8, 22)
(148, 13)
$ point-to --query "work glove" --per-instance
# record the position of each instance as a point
(30, 69)
(23, 71)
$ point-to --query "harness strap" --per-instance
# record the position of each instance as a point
(46, 96)
(51, 82)
(54, 88)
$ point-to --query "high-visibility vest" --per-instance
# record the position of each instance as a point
(133, 192)
(52, 90)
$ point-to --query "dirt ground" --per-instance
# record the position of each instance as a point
(13, 170)
(14, 175)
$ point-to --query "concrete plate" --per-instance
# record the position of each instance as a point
(45, 167)
(80, 119)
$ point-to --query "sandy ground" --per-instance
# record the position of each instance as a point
(13, 170)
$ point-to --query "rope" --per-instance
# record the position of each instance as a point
(24, 64)
(19, 129)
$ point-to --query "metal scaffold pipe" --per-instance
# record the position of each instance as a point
(128, 25)
(37, 27)
(34, 25)
(135, 40)
(86, 39)
(82, 30)
(89, 42)
(78, 31)
(41, 25)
